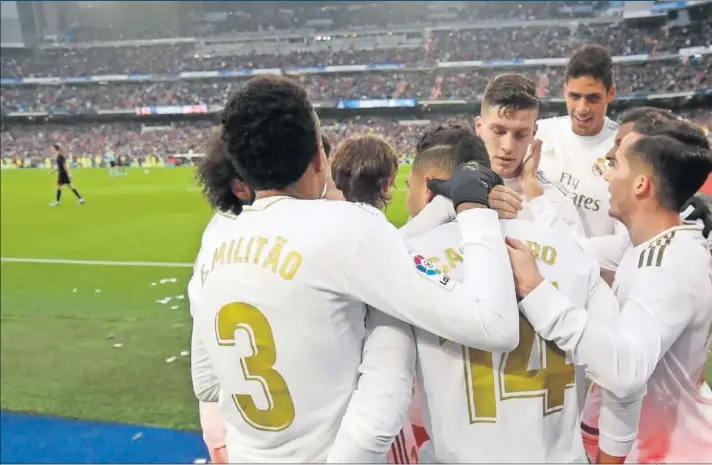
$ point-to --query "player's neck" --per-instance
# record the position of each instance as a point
(648, 226)
(298, 190)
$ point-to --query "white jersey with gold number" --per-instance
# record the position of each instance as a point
(578, 163)
(279, 301)
(676, 417)
(520, 406)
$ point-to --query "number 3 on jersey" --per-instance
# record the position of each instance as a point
(257, 368)
(513, 378)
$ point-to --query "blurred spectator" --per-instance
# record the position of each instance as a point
(138, 142)
(649, 77)
(462, 45)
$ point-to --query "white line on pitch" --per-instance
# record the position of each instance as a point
(94, 262)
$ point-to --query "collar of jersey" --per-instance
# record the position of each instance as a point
(682, 227)
(262, 204)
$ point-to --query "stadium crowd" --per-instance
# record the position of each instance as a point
(136, 142)
(649, 77)
(153, 20)
(462, 45)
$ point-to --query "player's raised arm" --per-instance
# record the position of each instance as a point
(379, 405)
(482, 312)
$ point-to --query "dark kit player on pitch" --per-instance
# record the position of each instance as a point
(64, 177)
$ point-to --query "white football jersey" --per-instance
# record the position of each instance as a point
(279, 300)
(676, 417)
(578, 163)
(520, 406)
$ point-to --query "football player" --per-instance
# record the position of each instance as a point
(658, 332)
(226, 193)
(64, 176)
(574, 146)
(507, 124)
(282, 292)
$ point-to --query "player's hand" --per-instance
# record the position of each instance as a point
(699, 210)
(218, 455)
(526, 274)
(530, 165)
(506, 202)
(530, 169)
(471, 183)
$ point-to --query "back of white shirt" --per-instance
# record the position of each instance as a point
(279, 302)
(578, 163)
(286, 359)
(519, 406)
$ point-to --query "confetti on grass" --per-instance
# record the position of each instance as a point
(171, 359)
(180, 297)
(184, 353)
(153, 284)
(97, 290)
(118, 345)
(168, 280)
(174, 307)
(74, 290)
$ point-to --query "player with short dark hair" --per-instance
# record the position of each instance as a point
(464, 143)
(636, 113)
(460, 137)
(472, 423)
(507, 124)
(289, 282)
(64, 176)
(638, 343)
(509, 93)
(574, 146)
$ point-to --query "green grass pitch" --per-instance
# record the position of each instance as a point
(58, 333)
(60, 322)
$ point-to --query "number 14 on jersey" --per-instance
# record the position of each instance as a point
(513, 379)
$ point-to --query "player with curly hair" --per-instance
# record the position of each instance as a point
(282, 290)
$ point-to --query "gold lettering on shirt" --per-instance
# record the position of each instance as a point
(272, 254)
(546, 253)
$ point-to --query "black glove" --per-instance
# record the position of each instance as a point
(471, 182)
(701, 211)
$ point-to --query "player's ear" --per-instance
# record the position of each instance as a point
(612, 92)
(241, 190)
(320, 162)
(536, 128)
(642, 186)
(430, 194)
(478, 124)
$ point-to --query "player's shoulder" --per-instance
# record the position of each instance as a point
(440, 237)
(348, 220)
(680, 250)
(344, 210)
(217, 222)
(546, 125)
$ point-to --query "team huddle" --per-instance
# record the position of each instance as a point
(540, 255)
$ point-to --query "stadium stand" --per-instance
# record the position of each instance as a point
(110, 82)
